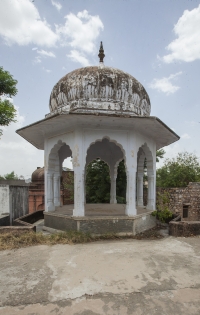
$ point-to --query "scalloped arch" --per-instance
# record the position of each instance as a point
(144, 148)
(53, 158)
(110, 140)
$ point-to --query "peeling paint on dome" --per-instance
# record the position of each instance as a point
(99, 90)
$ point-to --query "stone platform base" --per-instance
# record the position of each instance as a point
(110, 219)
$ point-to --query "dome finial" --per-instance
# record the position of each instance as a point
(101, 54)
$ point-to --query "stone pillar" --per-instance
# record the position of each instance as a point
(150, 203)
(131, 192)
(85, 185)
(140, 189)
(113, 177)
(79, 194)
(56, 181)
(50, 193)
(79, 177)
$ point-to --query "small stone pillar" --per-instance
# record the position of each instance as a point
(113, 177)
(150, 203)
(79, 158)
(50, 193)
(140, 190)
(56, 181)
(130, 193)
(79, 193)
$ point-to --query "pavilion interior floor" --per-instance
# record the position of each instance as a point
(103, 209)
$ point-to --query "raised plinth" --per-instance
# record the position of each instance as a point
(100, 219)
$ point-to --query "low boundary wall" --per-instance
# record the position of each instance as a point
(30, 218)
(184, 228)
(4, 220)
(100, 225)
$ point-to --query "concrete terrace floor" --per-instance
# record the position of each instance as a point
(138, 277)
(97, 209)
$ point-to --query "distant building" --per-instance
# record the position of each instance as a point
(37, 189)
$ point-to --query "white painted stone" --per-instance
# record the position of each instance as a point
(4, 199)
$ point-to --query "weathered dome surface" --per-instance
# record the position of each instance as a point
(102, 90)
(38, 175)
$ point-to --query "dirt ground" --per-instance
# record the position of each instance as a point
(160, 276)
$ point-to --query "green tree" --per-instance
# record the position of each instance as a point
(160, 154)
(68, 184)
(7, 90)
(179, 171)
(121, 183)
(11, 175)
(97, 182)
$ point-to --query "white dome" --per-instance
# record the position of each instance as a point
(100, 90)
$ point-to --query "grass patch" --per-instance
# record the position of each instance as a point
(18, 239)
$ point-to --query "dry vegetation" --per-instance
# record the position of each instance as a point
(17, 239)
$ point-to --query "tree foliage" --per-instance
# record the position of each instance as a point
(97, 182)
(68, 184)
(7, 89)
(162, 204)
(8, 176)
(7, 113)
(179, 171)
(160, 154)
(121, 183)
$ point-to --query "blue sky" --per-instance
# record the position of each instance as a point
(156, 41)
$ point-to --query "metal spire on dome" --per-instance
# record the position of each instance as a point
(101, 54)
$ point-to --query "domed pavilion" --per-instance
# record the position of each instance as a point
(99, 112)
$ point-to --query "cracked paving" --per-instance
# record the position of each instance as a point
(110, 277)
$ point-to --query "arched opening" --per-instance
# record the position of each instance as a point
(105, 174)
(145, 178)
(60, 152)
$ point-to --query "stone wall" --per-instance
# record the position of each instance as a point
(4, 199)
(184, 199)
(184, 228)
(18, 201)
(101, 225)
(14, 200)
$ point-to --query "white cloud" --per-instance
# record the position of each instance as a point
(76, 56)
(20, 23)
(37, 60)
(46, 70)
(187, 46)
(185, 136)
(57, 5)
(14, 150)
(80, 31)
(192, 123)
(165, 85)
(46, 53)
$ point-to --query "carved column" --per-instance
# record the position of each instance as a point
(131, 168)
(113, 177)
(140, 189)
(131, 192)
(56, 182)
(50, 193)
(150, 203)
(79, 178)
(79, 195)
